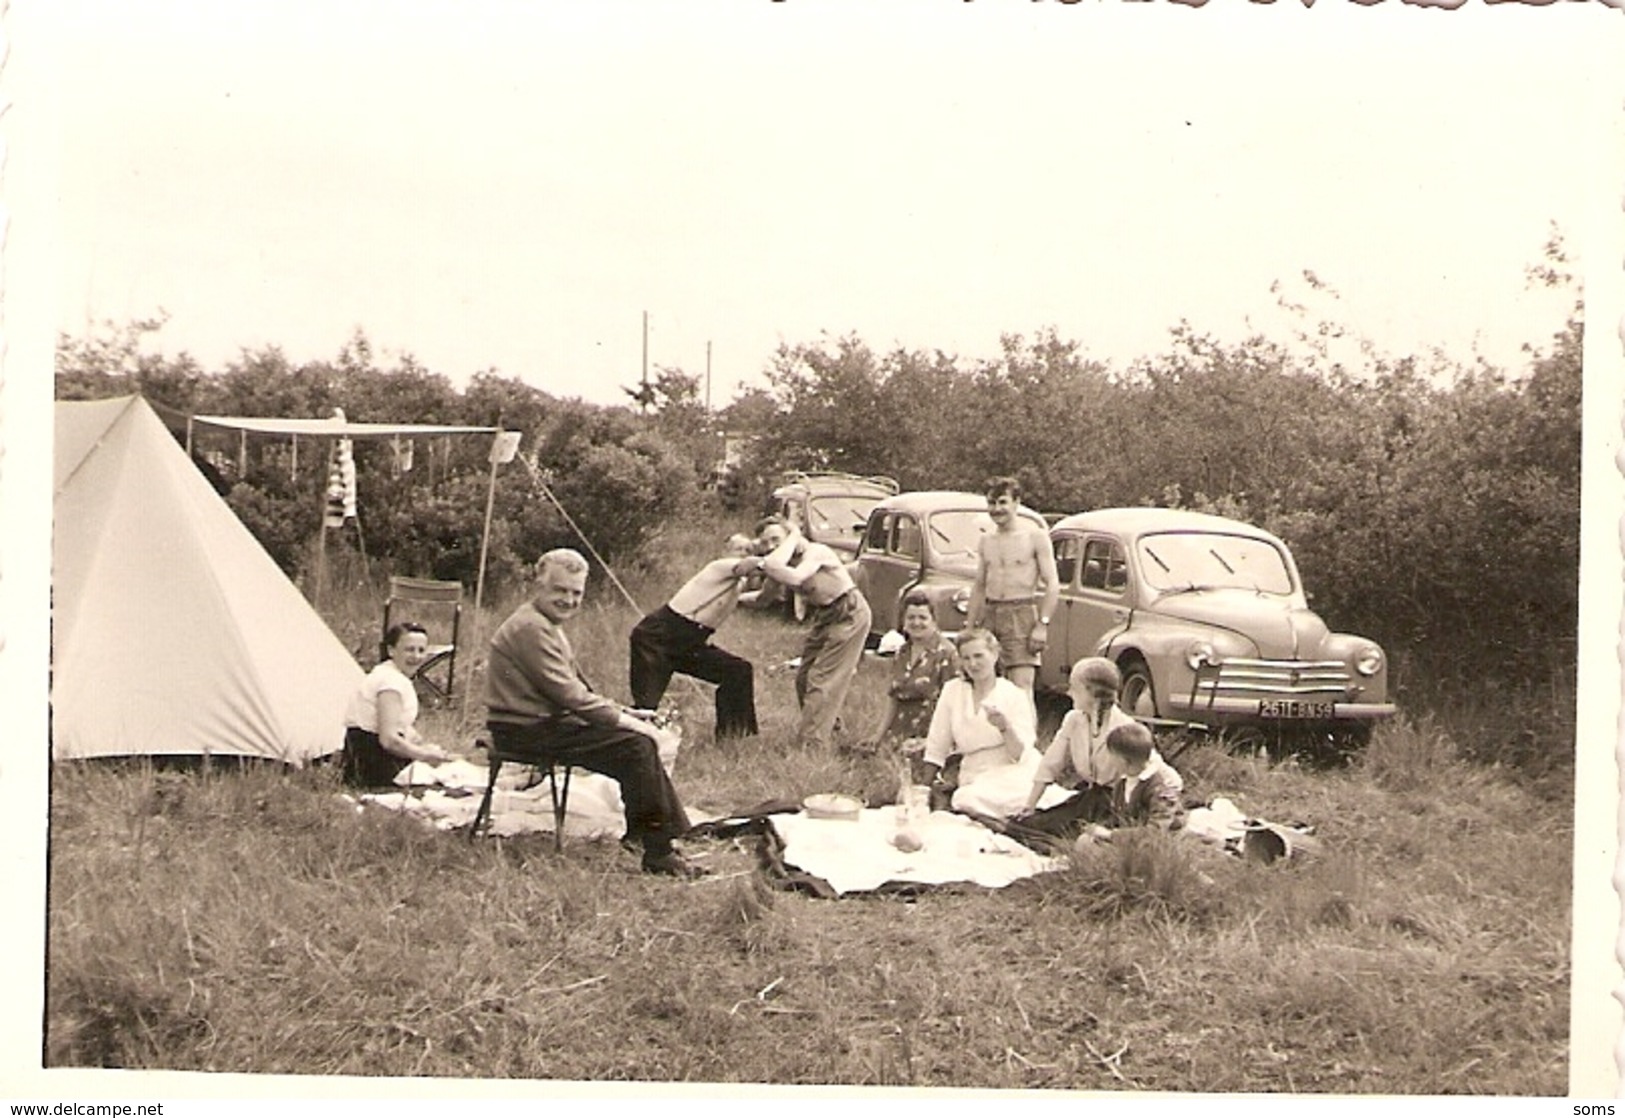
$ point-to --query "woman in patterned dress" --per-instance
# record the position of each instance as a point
(922, 666)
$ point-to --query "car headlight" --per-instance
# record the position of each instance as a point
(962, 601)
(1368, 661)
(1200, 654)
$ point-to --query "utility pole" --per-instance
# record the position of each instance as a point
(644, 399)
(708, 377)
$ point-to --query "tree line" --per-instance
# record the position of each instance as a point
(1432, 506)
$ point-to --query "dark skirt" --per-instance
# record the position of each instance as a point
(367, 764)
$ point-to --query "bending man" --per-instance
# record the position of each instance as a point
(677, 638)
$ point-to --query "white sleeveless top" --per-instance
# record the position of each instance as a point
(363, 709)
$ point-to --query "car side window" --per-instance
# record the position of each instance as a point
(906, 540)
(1104, 567)
(1116, 569)
(1066, 559)
(879, 529)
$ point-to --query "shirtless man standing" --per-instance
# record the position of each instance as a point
(1015, 563)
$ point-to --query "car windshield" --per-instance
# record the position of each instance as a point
(955, 535)
(1177, 561)
(839, 515)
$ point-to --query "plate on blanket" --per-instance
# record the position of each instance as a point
(832, 805)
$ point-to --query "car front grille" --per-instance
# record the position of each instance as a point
(1246, 679)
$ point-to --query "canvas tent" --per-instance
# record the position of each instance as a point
(173, 632)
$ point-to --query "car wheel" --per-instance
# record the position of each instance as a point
(1139, 695)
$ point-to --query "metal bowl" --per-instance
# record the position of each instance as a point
(832, 805)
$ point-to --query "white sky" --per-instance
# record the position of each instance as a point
(511, 185)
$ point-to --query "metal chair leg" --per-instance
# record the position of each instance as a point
(493, 765)
(558, 791)
(561, 802)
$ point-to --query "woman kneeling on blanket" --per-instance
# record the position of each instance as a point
(379, 737)
(1109, 761)
(989, 724)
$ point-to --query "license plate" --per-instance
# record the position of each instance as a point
(1295, 708)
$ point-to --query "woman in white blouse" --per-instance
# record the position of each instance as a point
(989, 724)
(380, 738)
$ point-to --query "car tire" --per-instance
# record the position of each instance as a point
(1139, 695)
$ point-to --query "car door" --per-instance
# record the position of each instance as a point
(877, 574)
(1058, 656)
(1100, 598)
(899, 570)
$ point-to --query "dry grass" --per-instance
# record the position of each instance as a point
(252, 921)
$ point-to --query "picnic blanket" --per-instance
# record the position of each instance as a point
(446, 796)
(857, 855)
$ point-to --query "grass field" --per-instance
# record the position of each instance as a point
(250, 921)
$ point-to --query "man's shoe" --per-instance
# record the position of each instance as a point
(672, 864)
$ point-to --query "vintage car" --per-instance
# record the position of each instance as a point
(829, 508)
(1208, 620)
(927, 540)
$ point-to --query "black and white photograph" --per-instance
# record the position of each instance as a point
(1028, 550)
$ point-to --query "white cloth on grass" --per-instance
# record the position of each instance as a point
(858, 855)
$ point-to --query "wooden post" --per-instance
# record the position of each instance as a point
(503, 449)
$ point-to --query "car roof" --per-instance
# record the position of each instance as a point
(1135, 522)
(839, 483)
(923, 501)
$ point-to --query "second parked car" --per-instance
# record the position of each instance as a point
(927, 540)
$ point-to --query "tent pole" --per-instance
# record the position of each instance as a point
(485, 537)
(321, 545)
(321, 567)
(479, 579)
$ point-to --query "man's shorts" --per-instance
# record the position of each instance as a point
(1012, 623)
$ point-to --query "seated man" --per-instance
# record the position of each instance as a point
(677, 638)
(1137, 788)
(536, 698)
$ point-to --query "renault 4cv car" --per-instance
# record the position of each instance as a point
(1209, 623)
(929, 540)
(830, 508)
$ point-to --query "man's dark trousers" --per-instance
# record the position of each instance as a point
(665, 642)
(654, 814)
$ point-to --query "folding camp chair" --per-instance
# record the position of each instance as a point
(558, 788)
(409, 598)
